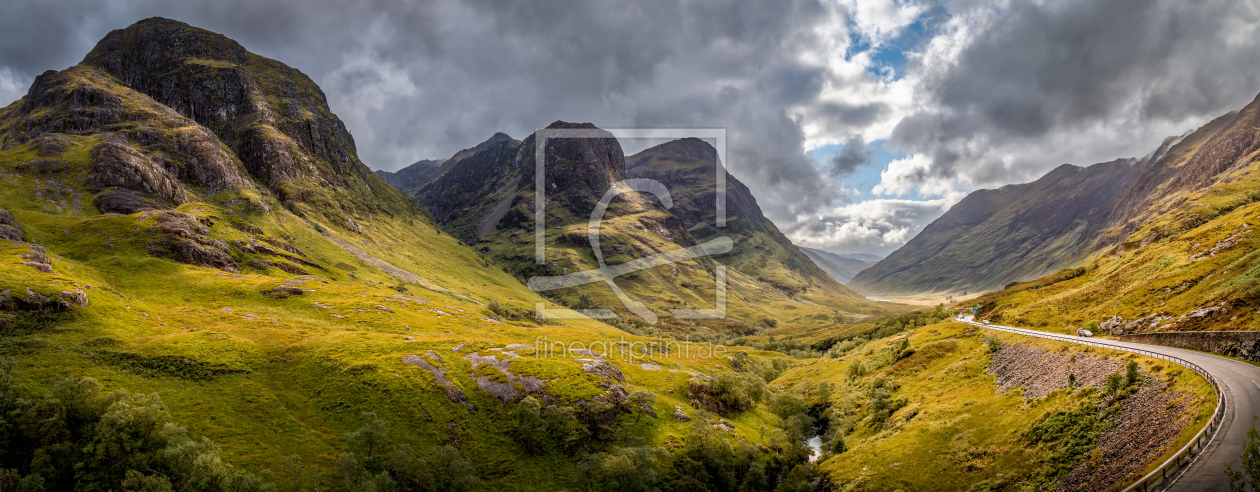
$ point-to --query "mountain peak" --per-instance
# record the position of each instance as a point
(157, 45)
(273, 116)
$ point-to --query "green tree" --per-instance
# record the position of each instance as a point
(128, 436)
(855, 371)
(370, 440)
(450, 471)
(786, 404)
(641, 402)
(135, 481)
(564, 429)
(530, 429)
(629, 469)
(296, 474)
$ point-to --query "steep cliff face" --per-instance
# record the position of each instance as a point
(463, 195)
(688, 167)
(271, 115)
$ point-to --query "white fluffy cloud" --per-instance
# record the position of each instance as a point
(874, 226)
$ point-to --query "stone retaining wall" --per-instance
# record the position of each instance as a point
(1241, 344)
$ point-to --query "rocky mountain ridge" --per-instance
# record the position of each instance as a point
(486, 197)
(1021, 232)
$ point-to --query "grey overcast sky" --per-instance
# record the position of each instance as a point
(855, 123)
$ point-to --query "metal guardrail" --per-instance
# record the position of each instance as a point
(1174, 465)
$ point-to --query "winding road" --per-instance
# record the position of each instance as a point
(1239, 382)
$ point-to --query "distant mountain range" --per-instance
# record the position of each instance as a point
(413, 176)
(842, 267)
(1021, 232)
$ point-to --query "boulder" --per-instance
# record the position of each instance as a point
(76, 297)
(42, 267)
(680, 415)
(284, 292)
(603, 369)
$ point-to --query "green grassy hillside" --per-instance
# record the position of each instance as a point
(486, 196)
(1071, 215)
(928, 410)
(1195, 268)
(171, 275)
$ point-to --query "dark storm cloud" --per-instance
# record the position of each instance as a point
(853, 154)
(419, 80)
(1052, 68)
(1011, 96)
(853, 115)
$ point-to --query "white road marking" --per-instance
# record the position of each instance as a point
(1255, 383)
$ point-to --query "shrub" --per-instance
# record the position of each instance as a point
(856, 370)
(1114, 383)
(837, 445)
(1131, 374)
(881, 404)
(1068, 436)
(786, 404)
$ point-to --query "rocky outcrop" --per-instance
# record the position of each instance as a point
(1205, 316)
(208, 164)
(186, 240)
(84, 101)
(503, 385)
(602, 369)
(10, 229)
(431, 362)
(61, 102)
(116, 164)
(37, 258)
(49, 145)
(30, 301)
(214, 81)
(680, 415)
